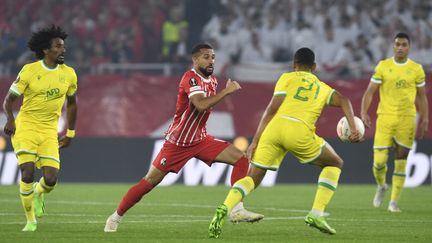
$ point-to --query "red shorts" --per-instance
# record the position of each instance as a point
(172, 158)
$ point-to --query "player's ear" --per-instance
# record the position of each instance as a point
(194, 58)
(313, 67)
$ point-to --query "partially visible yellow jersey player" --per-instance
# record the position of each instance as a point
(44, 85)
(288, 125)
(400, 81)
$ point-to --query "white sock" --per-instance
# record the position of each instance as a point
(116, 217)
(317, 213)
(237, 207)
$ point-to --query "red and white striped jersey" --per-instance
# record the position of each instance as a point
(189, 125)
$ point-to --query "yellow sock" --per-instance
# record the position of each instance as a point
(26, 194)
(327, 184)
(238, 191)
(42, 187)
(380, 166)
(398, 179)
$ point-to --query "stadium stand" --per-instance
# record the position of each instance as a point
(126, 69)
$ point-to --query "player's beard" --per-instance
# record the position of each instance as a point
(60, 60)
(205, 72)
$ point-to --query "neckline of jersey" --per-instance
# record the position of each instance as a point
(207, 80)
(47, 68)
(400, 63)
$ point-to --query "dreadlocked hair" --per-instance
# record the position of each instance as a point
(41, 40)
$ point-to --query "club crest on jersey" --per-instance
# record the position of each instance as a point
(62, 79)
(163, 161)
(193, 82)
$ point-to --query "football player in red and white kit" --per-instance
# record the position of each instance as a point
(187, 137)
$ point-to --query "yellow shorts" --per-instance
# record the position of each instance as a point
(392, 129)
(39, 147)
(284, 135)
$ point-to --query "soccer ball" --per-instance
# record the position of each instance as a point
(343, 130)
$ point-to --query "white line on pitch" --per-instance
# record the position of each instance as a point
(156, 205)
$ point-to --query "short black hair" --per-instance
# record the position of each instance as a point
(196, 49)
(304, 56)
(42, 39)
(403, 36)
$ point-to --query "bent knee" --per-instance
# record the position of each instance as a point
(380, 157)
(339, 163)
(50, 180)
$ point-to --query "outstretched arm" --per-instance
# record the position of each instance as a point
(366, 102)
(423, 110)
(8, 102)
(270, 111)
(71, 114)
(203, 103)
(344, 103)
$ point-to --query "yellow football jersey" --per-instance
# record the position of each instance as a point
(44, 92)
(398, 86)
(305, 96)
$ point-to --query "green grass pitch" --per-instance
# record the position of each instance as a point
(77, 213)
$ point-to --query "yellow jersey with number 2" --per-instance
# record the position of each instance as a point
(305, 96)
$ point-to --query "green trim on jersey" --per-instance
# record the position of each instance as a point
(330, 97)
(14, 92)
(279, 93)
(48, 68)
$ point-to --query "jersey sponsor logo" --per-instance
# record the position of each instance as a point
(193, 82)
(400, 84)
(52, 93)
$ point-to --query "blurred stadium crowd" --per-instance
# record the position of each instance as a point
(348, 36)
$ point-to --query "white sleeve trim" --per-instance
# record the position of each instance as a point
(377, 81)
(195, 92)
(280, 93)
(422, 84)
(14, 89)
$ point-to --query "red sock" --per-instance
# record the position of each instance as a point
(240, 170)
(134, 195)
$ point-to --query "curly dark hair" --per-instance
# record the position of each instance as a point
(42, 39)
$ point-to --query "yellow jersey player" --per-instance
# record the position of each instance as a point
(288, 125)
(44, 85)
(399, 80)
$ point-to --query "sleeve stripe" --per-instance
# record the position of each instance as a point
(13, 90)
(377, 81)
(195, 92)
(280, 93)
(422, 84)
(68, 94)
(329, 98)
